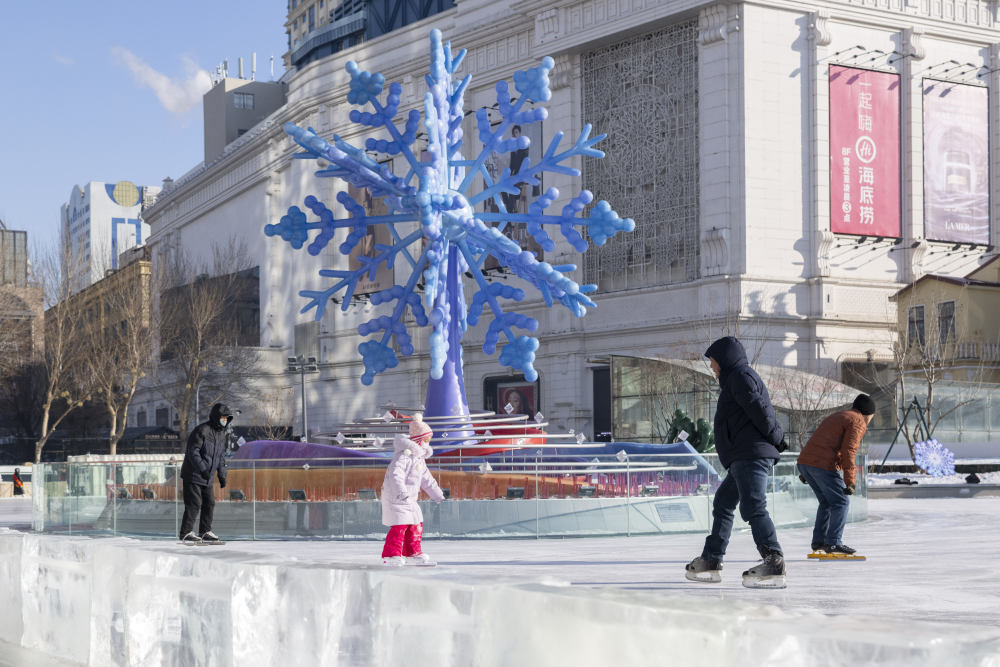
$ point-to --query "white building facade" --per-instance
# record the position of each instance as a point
(719, 146)
(99, 222)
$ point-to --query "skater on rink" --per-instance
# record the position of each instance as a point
(406, 475)
(203, 460)
(832, 447)
(749, 440)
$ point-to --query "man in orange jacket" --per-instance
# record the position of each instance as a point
(832, 447)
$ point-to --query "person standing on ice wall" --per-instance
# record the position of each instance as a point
(749, 441)
(406, 475)
(832, 447)
(204, 459)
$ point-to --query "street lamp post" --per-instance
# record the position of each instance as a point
(303, 365)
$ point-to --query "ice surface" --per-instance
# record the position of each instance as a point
(928, 595)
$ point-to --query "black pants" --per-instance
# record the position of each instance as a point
(197, 498)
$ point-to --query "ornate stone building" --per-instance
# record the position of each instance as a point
(722, 146)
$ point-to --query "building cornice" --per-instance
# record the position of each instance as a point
(861, 12)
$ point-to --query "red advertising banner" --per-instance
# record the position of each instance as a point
(956, 162)
(864, 152)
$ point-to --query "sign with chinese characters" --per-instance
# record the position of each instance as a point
(956, 162)
(864, 152)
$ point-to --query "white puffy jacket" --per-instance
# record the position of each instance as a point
(406, 475)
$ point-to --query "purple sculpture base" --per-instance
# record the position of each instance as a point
(446, 395)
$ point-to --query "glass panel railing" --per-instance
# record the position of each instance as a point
(519, 494)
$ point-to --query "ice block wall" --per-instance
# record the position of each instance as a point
(117, 601)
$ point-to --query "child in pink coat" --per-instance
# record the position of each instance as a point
(406, 475)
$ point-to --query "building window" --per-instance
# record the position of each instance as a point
(946, 322)
(140, 418)
(649, 82)
(915, 326)
(163, 417)
(243, 100)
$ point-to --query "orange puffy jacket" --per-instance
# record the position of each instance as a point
(834, 444)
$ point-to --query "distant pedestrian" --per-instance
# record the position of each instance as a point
(832, 447)
(748, 440)
(18, 484)
(406, 475)
(204, 459)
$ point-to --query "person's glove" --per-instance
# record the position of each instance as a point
(222, 483)
(803, 479)
(849, 490)
(782, 446)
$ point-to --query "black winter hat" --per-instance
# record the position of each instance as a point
(864, 404)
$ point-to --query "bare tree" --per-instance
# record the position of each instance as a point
(272, 414)
(808, 398)
(918, 359)
(206, 320)
(66, 384)
(119, 343)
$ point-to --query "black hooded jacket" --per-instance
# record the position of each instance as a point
(206, 449)
(745, 425)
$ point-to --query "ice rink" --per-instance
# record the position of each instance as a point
(929, 594)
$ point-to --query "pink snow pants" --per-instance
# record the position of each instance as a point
(403, 540)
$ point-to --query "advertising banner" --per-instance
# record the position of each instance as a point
(864, 152)
(956, 162)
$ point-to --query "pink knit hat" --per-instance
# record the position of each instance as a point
(418, 428)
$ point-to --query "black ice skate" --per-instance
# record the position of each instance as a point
(836, 552)
(770, 573)
(704, 570)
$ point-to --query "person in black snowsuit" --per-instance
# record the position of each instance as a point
(18, 484)
(203, 460)
(748, 440)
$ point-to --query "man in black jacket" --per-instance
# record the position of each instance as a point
(204, 459)
(748, 440)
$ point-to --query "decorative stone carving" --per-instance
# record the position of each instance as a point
(826, 242)
(566, 69)
(819, 27)
(913, 43)
(274, 184)
(712, 23)
(547, 26)
(715, 248)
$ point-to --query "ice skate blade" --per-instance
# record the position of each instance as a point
(773, 581)
(707, 577)
(826, 556)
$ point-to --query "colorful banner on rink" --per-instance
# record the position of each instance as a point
(956, 162)
(864, 152)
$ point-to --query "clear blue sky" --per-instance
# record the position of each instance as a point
(111, 90)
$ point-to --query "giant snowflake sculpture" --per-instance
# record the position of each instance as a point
(452, 238)
(934, 458)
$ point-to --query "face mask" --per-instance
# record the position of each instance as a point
(224, 420)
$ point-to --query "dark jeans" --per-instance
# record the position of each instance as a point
(831, 515)
(197, 498)
(745, 485)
